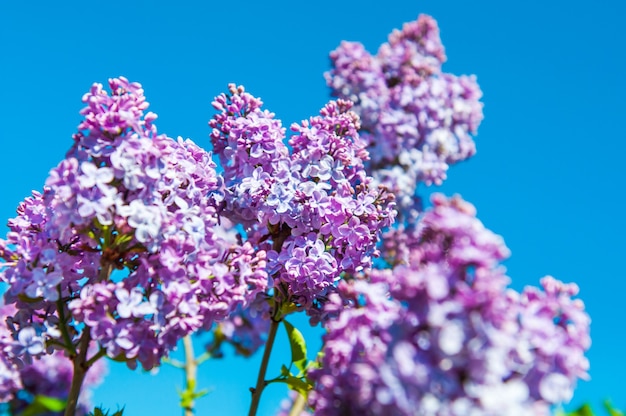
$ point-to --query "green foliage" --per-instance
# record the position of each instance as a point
(98, 411)
(298, 346)
(42, 404)
(612, 411)
(586, 410)
(188, 396)
(299, 381)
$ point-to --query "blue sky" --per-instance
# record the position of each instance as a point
(549, 174)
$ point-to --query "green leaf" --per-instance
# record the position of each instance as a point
(584, 410)
(42, 404)
(122, 239)
(99, 412)
(188, 396)
(612, 411)
(299, 385)
(298, 346)
(51, 403)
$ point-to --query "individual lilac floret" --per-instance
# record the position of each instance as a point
(310, 205)
(417, 120)
(440, 332)
(125, 240)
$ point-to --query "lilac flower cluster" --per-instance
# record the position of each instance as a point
(417, 120)
(124, 242)
(311, 206)
(440, 332)
(49, 375)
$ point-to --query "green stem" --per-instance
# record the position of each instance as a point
(105, 272)
(260, 382)
(202, 358)
(298, 405)
(80, 370)
(67, 339)
(69, 350)
(174, 363)
(191, 369)
(79, 358)
(96, 357)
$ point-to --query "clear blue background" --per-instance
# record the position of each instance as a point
(549, 174)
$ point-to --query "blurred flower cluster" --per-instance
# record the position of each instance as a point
(441, 332)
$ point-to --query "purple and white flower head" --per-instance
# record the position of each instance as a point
(126, 235)
(311, 205)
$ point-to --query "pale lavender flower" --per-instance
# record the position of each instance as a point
(442, 333)
(29, 341)
(132, 304)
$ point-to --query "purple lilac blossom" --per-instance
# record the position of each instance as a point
(416, 119)
(122, 240)
(441, 332)
(311, 205)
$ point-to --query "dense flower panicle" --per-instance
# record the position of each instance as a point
(313, 208)
(250, 147)
(126, 232)
(440, 332)
(417, 120)
(109, 119)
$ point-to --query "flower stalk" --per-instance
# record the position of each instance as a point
(260, 382)
(191, 370)
(80, 371)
